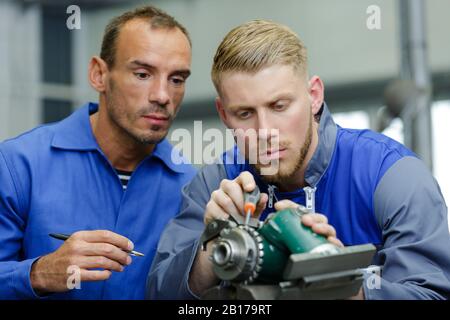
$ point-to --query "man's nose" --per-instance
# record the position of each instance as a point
(266, 128)
(264, 125)
(159, 92)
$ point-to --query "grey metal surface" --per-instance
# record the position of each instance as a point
(341, 287)
(307, 264)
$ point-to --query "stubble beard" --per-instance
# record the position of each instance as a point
(286, 171)
(124, 121)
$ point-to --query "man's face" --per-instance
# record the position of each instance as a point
(146, 85)
(277, 97)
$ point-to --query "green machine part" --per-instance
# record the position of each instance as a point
(242, 253)
(284, 234)
(282, 259)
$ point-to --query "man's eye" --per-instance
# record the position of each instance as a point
(279, 107)
(142, 75)
(178, 81)
(244, 114)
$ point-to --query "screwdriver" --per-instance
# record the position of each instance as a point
(64, 237)
(250, 201)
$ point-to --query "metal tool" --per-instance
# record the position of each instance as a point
(250, 201)
(64, 237)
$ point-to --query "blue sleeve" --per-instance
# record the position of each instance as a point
(415, 252)
(177, 248)
(14, 273)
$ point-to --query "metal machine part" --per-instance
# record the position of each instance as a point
(237, 254)
(241, 251)
(281, 259)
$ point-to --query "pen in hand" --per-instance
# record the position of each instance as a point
(64, 237)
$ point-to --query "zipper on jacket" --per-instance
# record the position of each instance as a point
(271, 190)
(310, 197)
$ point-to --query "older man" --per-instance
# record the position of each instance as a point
(104, 175)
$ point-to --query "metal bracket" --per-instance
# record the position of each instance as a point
(240, 220)
(213, 230)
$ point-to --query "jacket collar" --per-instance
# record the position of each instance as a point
(75, 133)
(166, 152)
(322, 156)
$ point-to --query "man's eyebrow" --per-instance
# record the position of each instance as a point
(183, 72)
(281, 97)
(237, 107)
(142, 64)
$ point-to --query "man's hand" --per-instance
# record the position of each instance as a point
(317, 222)
(229, 198)
(87, 250)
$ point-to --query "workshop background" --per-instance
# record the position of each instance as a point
(385, 64)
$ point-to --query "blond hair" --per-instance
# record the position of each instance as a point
(255, 45)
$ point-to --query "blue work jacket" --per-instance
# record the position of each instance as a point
(56, 179)
(372, 190)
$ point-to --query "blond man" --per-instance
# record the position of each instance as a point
(370, 189)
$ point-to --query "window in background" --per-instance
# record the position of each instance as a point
(54, 110)
(440, 113)
(56, 65)
(353, 119)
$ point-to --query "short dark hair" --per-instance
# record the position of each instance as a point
(156, 18)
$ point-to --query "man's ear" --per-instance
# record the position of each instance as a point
(221, 111)
(316, 92)
(98, 71)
